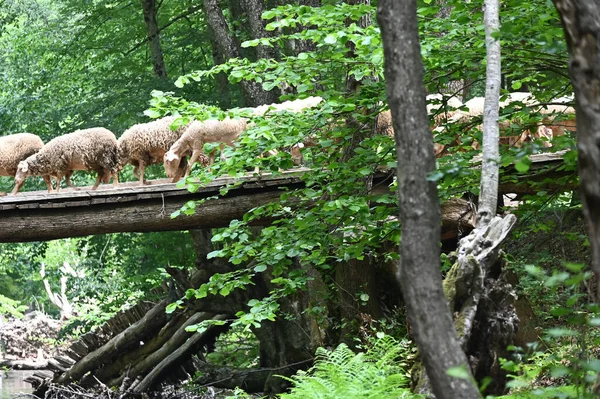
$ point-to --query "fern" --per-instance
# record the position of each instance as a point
(376, 374)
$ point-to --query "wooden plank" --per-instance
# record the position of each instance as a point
(42, 216)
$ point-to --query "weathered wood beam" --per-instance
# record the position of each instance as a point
(42, 216)
(39, 216)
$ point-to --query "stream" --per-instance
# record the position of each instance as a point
(11, 383)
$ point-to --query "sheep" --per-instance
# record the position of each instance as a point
(146, 144)
(551, 127)
(17, 147)
(92, 149)
(193, 139)
(224, 132)
(291, 106)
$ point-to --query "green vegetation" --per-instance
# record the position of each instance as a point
(69, 64)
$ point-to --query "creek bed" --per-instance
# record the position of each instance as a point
(12, 382)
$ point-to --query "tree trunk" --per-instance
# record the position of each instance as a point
(581, 23)
(254, 10)
(150, 18)
(294, 46)
(254, 94)
(490, 167)
(220, 79)
(419, 271)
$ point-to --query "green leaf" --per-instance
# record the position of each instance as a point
(330, 39)
(522, 166)
(458, 372)
(260, 268)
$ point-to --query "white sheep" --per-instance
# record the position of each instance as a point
(224, 132)
(17, 147)
(92, 149)
(291, 106)
(193, 139)
(452, 102)
(146, 144)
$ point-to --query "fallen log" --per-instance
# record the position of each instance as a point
(126, 359)
(152, 321)
(177, 339)
(250, 380)
(177, 357)
(24, 364)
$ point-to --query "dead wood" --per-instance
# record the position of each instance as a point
(178, 356)
(115, 368)
(176, 340)
(250, 380)
(145, 327)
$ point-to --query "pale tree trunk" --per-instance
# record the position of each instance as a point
(419, 272)
(581, 23)
(253, 91)
(488, 198)
(150, 18)
(480, 296)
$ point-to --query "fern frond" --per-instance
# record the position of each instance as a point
(341, 373)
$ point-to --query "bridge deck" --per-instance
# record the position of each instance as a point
(39, 215)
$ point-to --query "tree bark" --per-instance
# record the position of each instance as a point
(220, 79)
(581, 23)
(254, 10)
(151, 21)
(254, 94)
(490, 167)
(419, 271)
(303, 46)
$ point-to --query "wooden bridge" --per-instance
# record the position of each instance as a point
(39, 216)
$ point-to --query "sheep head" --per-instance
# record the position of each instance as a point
(23, 171)
(171, 163)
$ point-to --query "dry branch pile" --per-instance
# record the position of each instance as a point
(27, 343)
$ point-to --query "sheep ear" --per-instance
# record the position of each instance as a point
(170, 156)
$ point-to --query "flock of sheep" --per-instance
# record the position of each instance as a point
(97, 149)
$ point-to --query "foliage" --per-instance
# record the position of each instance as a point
(337, 218)
(113, 271)
(341, 373)
(10, 308)
(569, 357)
(235, 348)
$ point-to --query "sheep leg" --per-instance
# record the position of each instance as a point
(193, 159)
(68, 180)
(141, 168)
(222, 147)
(100, 177)
(136, 170)
(48, 182)
(58, 179)
(115, 176)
